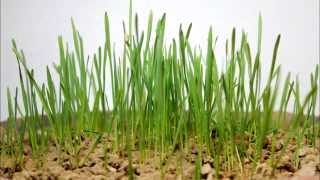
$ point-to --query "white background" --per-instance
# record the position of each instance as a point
(35, 24)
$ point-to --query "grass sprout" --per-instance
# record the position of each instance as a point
(162, 96)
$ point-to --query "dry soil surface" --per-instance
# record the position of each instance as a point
(178, 165)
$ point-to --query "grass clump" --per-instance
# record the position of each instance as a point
(162, 96)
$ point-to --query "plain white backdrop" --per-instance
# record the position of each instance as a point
(35, 24)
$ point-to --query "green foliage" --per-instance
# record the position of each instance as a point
(161, 96)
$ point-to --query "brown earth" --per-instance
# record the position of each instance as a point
(302, 164)
(178, 165)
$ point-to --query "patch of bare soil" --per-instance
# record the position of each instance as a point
(294, 165)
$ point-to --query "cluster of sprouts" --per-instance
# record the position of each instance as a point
(163, 95)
